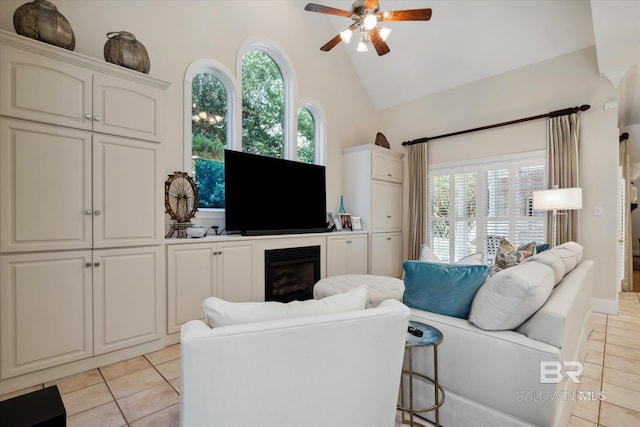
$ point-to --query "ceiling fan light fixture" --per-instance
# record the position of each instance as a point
(345, 35)
(384, 33)
(370, 21)
(362, 46)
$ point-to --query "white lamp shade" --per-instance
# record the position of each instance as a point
(559, 198)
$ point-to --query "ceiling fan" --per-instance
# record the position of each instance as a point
(366, 15)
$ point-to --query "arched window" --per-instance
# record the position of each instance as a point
(209, 127)
(310, 140)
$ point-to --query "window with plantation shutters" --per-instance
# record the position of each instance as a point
(472, 205)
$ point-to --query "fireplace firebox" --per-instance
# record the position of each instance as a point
(290, 273)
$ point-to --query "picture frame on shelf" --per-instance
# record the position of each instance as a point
(345, 221)
(331, 223)
(336, 221)
(356, 223)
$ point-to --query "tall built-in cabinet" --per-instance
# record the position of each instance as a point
(81, 209)
(373, 191)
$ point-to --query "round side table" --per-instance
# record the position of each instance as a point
(430, 337)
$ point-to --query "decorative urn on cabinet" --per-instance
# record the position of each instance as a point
(40, 20)
(123, 49)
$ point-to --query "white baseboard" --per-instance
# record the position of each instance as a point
(606, 306)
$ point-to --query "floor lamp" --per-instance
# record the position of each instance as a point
(558, 199)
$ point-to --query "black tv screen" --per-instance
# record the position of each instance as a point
(266, 195)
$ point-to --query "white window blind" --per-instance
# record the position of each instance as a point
(474, 205)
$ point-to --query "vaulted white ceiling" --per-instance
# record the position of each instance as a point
(470, 40)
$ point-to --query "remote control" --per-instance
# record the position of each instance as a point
(415, 331)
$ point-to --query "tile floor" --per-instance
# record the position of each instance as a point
(145, 390)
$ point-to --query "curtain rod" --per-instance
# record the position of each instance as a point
(557, 113)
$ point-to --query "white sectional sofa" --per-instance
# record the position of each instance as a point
(493, 377)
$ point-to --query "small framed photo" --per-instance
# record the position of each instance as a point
(345, 221)
(331, 224)
(336, 221)
(356, 222)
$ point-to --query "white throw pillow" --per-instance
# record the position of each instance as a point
(219, 312)
(511, 296)
(472, 259)
(426, 254)
(553, 261)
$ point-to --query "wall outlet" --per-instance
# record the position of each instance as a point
(598, 211)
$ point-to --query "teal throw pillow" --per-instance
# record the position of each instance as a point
(442, 288)
(541, 247)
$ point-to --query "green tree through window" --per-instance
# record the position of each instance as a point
(262, 105)
(208, 138)
(306, 136)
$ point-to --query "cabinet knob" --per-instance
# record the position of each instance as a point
(87, 116)
(97, 212)
(389, 174)
(96, 118)
(96, 264)
(88, 212)
(388, 216)
(348, 241)
(388, 238)
(88, 264)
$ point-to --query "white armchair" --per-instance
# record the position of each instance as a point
(339, 369)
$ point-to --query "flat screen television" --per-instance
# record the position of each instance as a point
(266, 195)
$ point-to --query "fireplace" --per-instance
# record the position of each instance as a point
(290, 273)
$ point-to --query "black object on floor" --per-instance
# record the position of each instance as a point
(42, 408)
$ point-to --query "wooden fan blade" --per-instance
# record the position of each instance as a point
(378, 43)
(371, 4)
(336, 40)
(406, 15)
(312, 7)
(331, 43)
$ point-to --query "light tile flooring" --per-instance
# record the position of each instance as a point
(145, 390)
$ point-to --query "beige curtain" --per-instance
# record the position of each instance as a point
(625, 163)
(562, 169)
(417, 198)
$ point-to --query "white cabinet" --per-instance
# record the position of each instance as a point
(81, 211)
(373, 190)
(346, 254)
(62, 92)
(127, 301)
(386, 167)
(58, 307)
(45, 301)
(197, 271)
(386, 206)
(386, 254)
(55, 194)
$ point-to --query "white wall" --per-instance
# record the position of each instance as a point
(177, 32)
(566, 81)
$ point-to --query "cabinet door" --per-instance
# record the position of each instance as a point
(45, 187)
(35, 87)
(386, 254)
(358, 254)
(126, 108)
(337, 262)
(127, 193)
(379, 205)
(394, 247)
(191, 278)
(394, 207)
(127, 297)
(45, 301)
(236, 271)
(386, 167)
